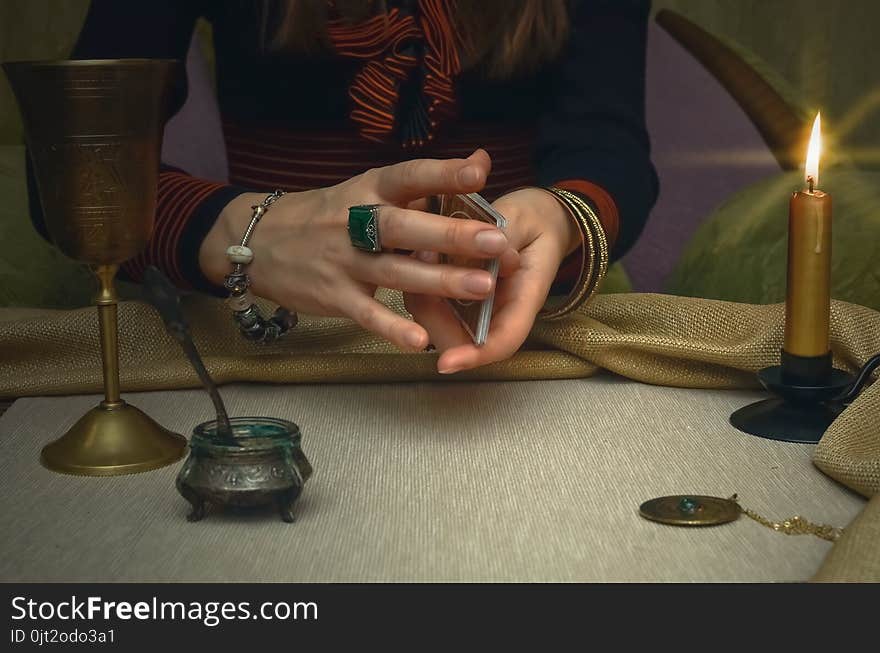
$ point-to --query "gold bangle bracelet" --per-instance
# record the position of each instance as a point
(602, 250)
(594, 252)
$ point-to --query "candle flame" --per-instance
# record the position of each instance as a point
(812, 167)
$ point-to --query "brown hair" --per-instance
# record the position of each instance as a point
(501, 37)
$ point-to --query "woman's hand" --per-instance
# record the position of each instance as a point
(543, 233)
(304, 260)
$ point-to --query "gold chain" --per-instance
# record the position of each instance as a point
(796, 525)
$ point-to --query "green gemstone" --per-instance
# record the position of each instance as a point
(363, 229)
(688, 506)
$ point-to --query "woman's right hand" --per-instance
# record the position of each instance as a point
(304, 260)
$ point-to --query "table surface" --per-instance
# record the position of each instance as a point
(527, 481)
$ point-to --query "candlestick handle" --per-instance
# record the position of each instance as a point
(864, 374)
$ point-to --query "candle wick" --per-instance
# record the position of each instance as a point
(810, 183)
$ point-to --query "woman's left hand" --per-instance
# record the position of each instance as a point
(543, 233)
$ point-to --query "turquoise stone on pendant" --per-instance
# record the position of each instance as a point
(688, 506)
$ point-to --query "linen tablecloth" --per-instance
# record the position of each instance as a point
(515, 481)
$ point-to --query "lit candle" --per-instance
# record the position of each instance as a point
(806, 351)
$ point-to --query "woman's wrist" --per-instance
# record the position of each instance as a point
(227, 230)
(568, 230)
(545, 215)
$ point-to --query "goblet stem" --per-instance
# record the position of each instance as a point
(107, 302)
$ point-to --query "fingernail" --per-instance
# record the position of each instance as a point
(414, 339)
(449, 370)
(490, 241)
(469, 176)
(425, 256)
(477, 283)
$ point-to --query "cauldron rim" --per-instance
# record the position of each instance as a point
(286, 435)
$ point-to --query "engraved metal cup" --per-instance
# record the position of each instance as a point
(94, 134)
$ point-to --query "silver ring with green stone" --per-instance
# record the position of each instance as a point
(363, 227)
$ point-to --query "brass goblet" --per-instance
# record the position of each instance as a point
(94, 134)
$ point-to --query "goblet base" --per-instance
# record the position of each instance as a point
(111, 440)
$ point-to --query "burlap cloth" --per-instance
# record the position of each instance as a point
(657, 339)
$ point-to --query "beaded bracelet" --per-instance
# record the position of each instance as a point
(594, 252)
(245, 311)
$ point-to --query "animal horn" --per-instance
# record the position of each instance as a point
(776, 120)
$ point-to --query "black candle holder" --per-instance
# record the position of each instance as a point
(810, 394)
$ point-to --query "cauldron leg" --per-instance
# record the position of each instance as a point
(198, 504)
(198, 511)
(286, 511)
(285, 502)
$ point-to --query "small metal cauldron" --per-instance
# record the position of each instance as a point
(265, 466)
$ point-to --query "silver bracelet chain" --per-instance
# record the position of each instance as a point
(251, 322)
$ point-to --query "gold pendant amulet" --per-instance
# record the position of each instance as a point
(690, 510)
